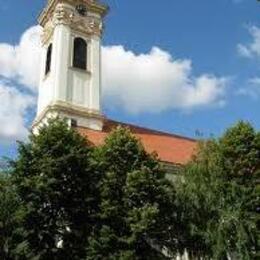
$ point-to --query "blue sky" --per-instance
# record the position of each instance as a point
(219, 39)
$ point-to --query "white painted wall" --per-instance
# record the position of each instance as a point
(95, 92)
(78, 88)
(46, 90)
(61, 51)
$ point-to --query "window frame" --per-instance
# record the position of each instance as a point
(84, 65)
(48, 60)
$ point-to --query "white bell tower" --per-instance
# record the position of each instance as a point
(70, 80)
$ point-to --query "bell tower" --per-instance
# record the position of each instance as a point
(70, 80)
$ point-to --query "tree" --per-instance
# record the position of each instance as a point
(68, 200)
(56, 183)
(240, 153)
(9, 222)
(136, 202)
(218, 196)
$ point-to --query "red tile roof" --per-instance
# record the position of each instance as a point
(169, 147)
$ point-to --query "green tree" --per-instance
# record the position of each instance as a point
(240, 153)
(9, 204)
(136, 202)
(56, 183)
(240, 160)
(218, 196)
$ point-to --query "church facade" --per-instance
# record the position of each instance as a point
(70, 80)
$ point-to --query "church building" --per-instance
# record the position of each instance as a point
(70, 80)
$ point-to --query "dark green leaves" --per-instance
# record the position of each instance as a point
(53, 176)
(135, 197)
(68, 200)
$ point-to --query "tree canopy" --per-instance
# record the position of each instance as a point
(62, 198)
(219, 195)
(134, 219)
(56, 184)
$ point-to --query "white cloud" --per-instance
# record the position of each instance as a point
(154, 82)
(252, 90)
(146, 82)
(21, 62)
(13, 108)
(251, 49)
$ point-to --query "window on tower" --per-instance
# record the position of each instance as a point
(80, 54)
(48, 60)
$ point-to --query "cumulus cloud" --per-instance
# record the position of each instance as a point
(21, 62)
(251, 49)
(147, 82)
(13, 108)
(19, 66)
(155, 81)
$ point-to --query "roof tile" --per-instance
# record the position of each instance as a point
(169, 147)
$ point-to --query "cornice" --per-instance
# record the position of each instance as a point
(68, 108)
(92, 6)
(44, 15)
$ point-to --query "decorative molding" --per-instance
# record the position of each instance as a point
(87, 25)
(88, 72)
(92, 7)
(63, 14)
(47, 33)
(66, 14)
(47, 12)
(67, 108)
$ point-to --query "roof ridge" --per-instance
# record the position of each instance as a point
(152, 130)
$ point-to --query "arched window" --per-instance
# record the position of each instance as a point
(48, 60)
(80, 54)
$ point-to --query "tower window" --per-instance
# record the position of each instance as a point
(80, 54)
(48, 60)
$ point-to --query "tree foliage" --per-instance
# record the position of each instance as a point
(10, 218)
(134, 215)
(64, 199)
(56, 184)
(219, 196)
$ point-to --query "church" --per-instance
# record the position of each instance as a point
(70, 79)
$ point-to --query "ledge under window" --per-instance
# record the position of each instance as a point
(80, 70)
